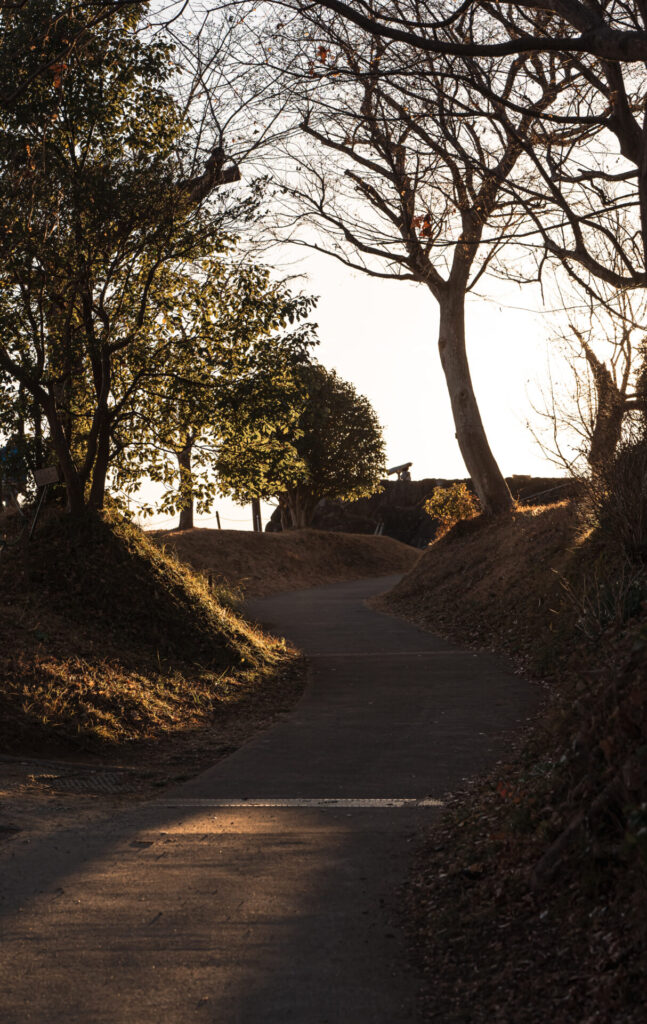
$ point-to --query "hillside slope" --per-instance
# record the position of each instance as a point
(265, 563)
(529, 899)
(496, 583)
(106, 642)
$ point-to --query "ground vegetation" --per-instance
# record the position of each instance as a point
(257, 564)
(108, 642)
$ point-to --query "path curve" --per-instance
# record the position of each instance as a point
(264, 891)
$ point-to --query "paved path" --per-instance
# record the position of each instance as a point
(265, 890)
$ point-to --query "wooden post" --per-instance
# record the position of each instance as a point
(256, 515)
(218, 520)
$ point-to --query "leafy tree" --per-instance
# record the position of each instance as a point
(209, 333)
(33, 48)
(97, 200)
(332, 449)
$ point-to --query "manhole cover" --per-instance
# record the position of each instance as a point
(95, 782)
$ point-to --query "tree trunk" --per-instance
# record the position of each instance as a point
(73, 484)
(100, 469)
(256, 515)
(606, 435)
(610, 413)
(301, 504)
(184, 462)
(482, 467)
(39, 456)
(286, 518)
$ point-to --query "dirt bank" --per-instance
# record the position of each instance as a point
(496, 584)
(528, 900)
(265, 563)
(107, 643)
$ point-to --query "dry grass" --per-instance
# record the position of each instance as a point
(264, 563)
(496, 583)
(106, 642)
(528, 902)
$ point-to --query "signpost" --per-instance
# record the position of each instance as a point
(43, 478)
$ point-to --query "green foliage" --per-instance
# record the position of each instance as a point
(452, 504)
(206, 334)
(95, 216)
(313, 437)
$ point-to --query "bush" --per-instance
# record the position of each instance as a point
(618, 499)
(452, 504)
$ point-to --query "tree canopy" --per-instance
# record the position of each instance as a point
(333, 447)
(211, 331)
(99, 198)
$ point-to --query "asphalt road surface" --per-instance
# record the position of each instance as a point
(265, 891)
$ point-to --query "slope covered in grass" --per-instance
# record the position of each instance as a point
(264, 563)
(497, 583)
(529, 899)
(105, 639)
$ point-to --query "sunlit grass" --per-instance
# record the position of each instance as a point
(106, 639)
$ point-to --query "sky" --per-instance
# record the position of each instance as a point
(381, 336)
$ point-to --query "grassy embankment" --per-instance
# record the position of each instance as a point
(264, 563)
(530, 899)
(107, 642)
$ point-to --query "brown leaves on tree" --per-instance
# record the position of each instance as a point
(423, 225)
(57, 71)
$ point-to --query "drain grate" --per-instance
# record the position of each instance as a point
(334, 801)
(89, 782)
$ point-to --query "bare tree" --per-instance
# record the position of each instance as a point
(604, 351)
(614, 31)
(404, 173)
(606, 45)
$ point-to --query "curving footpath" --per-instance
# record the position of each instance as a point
(264, 891)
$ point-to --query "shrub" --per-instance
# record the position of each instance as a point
(452, 504)
(618, 500)
(610, 595)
